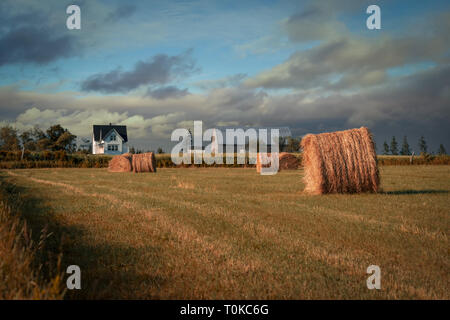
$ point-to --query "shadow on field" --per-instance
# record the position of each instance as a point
(107, 271)
(427, 191)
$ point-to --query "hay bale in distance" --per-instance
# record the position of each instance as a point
(120, 163)
(144, 162)
(286, 161)
(259, 162)
(340, 162)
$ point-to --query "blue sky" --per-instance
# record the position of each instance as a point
(159, 65)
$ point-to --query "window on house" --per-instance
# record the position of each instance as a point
(113, 137)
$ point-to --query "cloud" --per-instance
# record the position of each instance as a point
(30, 34)
(167, 92)
(122, 12)
(337, 59)
(416, 104)
(347, 62)
(229, 81)
(35, 32)
(80, 122)
(158, 70)
(34, 45)
(315, 22)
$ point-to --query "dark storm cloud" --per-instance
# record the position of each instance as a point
(412, 106)
(34, 45)
(38, 34)
(31, 37)
(417, 105)
(357, 62)
(167, 92)
(158, 70)
(347, 60)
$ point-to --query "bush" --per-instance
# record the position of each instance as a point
(423, 159)
(60, 159)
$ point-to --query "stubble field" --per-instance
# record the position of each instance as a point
(217, 233)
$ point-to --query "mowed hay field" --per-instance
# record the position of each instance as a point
(216, 233)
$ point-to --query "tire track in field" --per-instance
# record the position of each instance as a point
(70, 189)
(400, 225)
(349, 261)
(208, 252)
(190, 237)
(258, 231)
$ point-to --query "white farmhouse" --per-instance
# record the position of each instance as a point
(109, 139)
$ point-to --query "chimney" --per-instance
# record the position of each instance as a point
(110, 124)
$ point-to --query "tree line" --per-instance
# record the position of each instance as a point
(55, 138)
(405, 149)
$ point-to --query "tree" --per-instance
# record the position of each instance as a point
(27, 140)
(282, 143)
(385, 148)
(292, 145)
(394, 146)
(423, 145)
(441, 150)
(405, 147)
(132, 150)
(9, 140)
(66, 141)
(160, 150)
(58, 138)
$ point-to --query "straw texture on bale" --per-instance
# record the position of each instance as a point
(340, 162)
(286, 161)
(144, 162)
(120, 163)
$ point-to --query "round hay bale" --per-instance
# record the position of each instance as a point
(340, 162)
(288, 161)
(120, 163)
(144, 162)
(262, 164)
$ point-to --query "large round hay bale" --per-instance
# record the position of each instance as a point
(340, 162)
(144, 162)
(120, 163)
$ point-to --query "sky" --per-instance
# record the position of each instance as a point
(155, 66)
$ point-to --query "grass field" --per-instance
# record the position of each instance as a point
(230, 233)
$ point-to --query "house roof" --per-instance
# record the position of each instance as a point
(100, 131)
